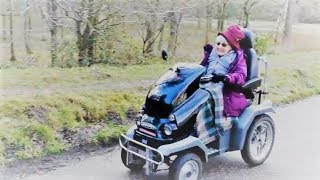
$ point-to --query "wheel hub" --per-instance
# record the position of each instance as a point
(190, 170)
(261, 142)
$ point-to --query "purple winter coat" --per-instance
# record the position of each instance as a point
(234, 101)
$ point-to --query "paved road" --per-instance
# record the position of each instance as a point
(296, 154)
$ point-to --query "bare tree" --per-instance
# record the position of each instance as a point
(4, 25)
(13, 56)
(280, 20)
(27, 27)
(174, 23)
(4, 13)
(222, 4)
(151, 17)
(53, 20)
(91, 17)
(287, 33)
(161, 38)
(209, 17)
(62, 28)
(247, 7)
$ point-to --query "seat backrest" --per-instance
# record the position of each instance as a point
(251, 56)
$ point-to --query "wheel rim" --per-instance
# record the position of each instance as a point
(261, 140)
(190, 170)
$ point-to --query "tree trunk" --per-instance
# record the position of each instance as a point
(4, 24)
(173, 32)
(82, 44)
(175, 19)
(62, 22)
(246, 17)
(276, 34)
(221, 14)
(27, 25)
(287, 33)
(30, 24)
(161, 38)
(152, 33)
(245, 14)
(93, 19)
(280, 20)
(177, 33)
(13, 56)
(148, 44)
(53, 31)
(91, 43)
(208, 19)
(219, 23)
(247, 10)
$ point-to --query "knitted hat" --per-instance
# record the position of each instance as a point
(233, 35)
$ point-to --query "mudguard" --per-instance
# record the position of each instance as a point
(240, 127)
(187, 143)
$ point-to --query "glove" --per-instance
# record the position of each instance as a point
(207, 48)
(219, 78)
(206, 53)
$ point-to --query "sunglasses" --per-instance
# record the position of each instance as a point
(222, 44)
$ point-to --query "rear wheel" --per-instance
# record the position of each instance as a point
(186, 167)
(136, 164)
(259, 140)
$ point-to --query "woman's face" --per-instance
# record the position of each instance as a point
(222, 46)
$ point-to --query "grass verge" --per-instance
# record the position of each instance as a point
(13, 77)
(293, 76)
(31, 128)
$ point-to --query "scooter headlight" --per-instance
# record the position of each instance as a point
(138, 119)
(171, 117)
(138, 122)
(167, 129)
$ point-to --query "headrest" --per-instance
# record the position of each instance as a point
(248, 40)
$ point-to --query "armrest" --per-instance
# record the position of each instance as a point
(252, 83)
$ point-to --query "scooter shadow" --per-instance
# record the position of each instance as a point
(217, 166)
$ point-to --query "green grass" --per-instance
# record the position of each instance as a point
(293, 76)
(44, 77)
(106, 135)
(54, 147)
(31, 136)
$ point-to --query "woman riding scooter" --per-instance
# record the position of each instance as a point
(227, 69)
(164, 132)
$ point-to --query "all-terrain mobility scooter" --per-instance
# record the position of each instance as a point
(165, 128)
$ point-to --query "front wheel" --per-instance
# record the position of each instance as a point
(259, 140)
(186, 167)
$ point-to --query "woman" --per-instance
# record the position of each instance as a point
(226, 62)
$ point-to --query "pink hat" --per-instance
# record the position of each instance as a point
(233, 35)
